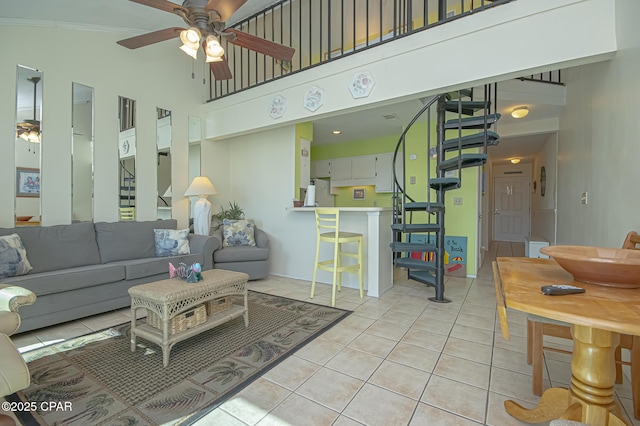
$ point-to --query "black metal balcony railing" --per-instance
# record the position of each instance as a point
(326, 30)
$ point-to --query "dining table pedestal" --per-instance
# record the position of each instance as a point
(591, 397)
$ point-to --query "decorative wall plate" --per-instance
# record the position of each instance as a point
(278, 106)
(313, 98)
(361, 84)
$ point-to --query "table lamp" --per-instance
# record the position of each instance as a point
(202, 187)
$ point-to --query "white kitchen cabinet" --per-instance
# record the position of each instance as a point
(384, 172)
(363, 167)
(341, 168)
(321, 169)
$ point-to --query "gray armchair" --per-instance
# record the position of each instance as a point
(252, 260)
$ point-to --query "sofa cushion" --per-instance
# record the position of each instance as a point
(171, 242)
(140, 268)
(238, 233)
(13, 257)
(68, 279)
(129, 240)
(240, 254)
(58, 247)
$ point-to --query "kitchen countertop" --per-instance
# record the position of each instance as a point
(342, 209)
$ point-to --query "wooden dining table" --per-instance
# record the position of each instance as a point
(597, 317)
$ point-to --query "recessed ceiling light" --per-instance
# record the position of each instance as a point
(520, 112)
(337, 132)
(515, 160)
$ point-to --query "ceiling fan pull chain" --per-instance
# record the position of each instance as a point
(193, 71)
(204, 73)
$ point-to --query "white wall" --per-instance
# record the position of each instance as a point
(598, 147)
(258, 172)
(543, 208)
(158, 75)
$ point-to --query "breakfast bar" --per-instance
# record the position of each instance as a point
(374, 223)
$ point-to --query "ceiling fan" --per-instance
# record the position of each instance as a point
(29, 130)
(206, 20)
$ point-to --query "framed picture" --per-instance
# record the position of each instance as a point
(358, 193)
(27, 182)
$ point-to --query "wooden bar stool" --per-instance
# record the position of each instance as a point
(328, 219)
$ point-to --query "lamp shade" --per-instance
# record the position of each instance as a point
(201, 185)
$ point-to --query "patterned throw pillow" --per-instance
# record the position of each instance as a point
(13, 257)
(238, 233)
(172, 242)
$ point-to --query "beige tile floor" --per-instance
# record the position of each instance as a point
(397, 360)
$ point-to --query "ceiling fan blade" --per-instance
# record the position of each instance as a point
(221, 70)
(225, 8)
(150, 38)
(260, 45)
(165, 5)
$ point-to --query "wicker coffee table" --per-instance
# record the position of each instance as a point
(170, 298)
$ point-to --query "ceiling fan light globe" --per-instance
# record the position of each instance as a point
(24, 136)
(214, 49)
(189, 51)
(190, 36)
(34, 136)
(214, 58)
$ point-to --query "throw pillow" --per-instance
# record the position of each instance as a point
(238, 233)
(172, 242)
(13, 257)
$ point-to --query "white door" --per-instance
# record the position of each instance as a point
(511, 208)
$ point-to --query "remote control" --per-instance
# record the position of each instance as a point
(558, 289)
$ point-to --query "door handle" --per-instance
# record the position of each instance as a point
(496, 212)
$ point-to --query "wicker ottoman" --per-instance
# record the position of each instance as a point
(168, 299)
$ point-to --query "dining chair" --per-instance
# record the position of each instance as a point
(538, 327)
(502, 309)
(328, 219)
(631, 343)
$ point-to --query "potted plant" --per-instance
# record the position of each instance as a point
(234, 212)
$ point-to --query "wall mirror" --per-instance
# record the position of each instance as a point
(163, 139)
(195, 130)
(82, 153)
(28, 145)
(127, 158)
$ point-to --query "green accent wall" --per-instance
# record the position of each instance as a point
(354, 148)
(305, 131)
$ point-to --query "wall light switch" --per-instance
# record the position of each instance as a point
(584, 198)
(413, 157)
(457, 201)
(412, 180)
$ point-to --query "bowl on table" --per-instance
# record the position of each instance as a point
(23, 218)
(598, 265)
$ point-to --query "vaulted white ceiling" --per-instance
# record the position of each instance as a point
(132, 18)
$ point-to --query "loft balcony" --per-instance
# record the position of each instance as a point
(322, 31)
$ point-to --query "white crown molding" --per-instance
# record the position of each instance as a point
(21, 22)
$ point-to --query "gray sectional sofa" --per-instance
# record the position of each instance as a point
(87, 268)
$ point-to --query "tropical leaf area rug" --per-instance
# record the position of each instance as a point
(104, 383)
